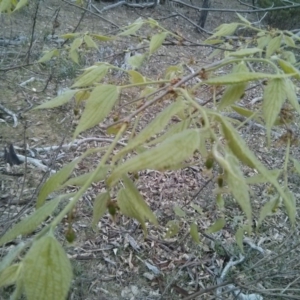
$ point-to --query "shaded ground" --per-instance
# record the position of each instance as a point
(117, 262)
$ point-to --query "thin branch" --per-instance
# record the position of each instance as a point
(265, 292)
(194, 24)
(92, 13)
(79, 22)
(290, 284)
(246, 4)
(237, 10)
(207, 290)
(33, 30)
(167, 89)
(108, 7)
(76, 143)
(16, 67)
(25, 167)
(10, 113)
(264, 261)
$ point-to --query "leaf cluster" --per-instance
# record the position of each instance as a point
(200, 131)
(11, 6)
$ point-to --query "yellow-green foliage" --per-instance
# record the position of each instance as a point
(161, 144)
(9, 6)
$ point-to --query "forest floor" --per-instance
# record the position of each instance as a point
(117, 261)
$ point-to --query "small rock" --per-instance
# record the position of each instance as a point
(134, 290)
(149, 276)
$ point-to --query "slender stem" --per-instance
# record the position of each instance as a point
(247, 120)
(196, 105)
(287, 156)
(75, 199)
(143, 83)
(252, 59)
(169, 32)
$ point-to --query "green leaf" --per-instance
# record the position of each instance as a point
(194, 233)
(172, 151)
(290, 206)
(259, 178)
(270, 176)
(273, 46)
(234, 92)
(133, 28)
(248, 157)
(213, 42)
(174, 129)
(156, 41)
(225, 29)
(70, 35)
(237, 145)
(133, 205)
(288, 68)
(239, 236)
(89, 42)
(244, 20)
(11, 256)
(173, 72)
(59, 180)
(58, 101)
(220, 201)
(92, 77)
(56, 181)
(20, 4)
(172, 229)
(179, 212)
(156, 126)
(274, 97)
(261, 33)
(17, 294)
(136, 61)
(76, 44)
(47, 271)
(100, 207)
(217, 226)
(30, 223)
(203, 146)
(5, 6)
(136, 77)
(98, 106)
(81, 96)
(235, 180)
(289, 41)
(245, 52)
(296, 165)
(81, 179)
(102, 38)
(237, 186)
(243, 77)
(10, 275)
(153, 23)
(263, 41)
(48, 55)
(291, 95)
(268, 209)
(146, 91)
(243, 111)
(197, 208)
(89, 69)
(289, 56)
(74, 56)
